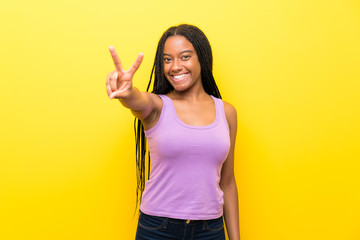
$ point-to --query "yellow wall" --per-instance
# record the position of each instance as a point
(291, 68)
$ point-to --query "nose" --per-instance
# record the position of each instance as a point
(176, 66)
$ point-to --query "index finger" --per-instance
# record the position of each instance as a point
(115, 58)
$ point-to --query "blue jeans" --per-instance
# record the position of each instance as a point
(161, 228)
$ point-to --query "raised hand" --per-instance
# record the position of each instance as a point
(119, 81)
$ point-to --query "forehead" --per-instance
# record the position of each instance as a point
(177, 44)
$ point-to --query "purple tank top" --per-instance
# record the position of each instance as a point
(186, 165)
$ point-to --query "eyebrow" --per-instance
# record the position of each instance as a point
(185, 51)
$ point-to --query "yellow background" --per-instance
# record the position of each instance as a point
(291, 68)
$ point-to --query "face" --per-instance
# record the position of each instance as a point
(181, 64)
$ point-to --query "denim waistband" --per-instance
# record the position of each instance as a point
(184, 221)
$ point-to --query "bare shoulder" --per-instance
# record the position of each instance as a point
(230, 112)
(231, 118)
(156, 101)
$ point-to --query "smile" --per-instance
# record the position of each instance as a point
(179, 77)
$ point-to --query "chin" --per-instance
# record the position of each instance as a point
(180, 87)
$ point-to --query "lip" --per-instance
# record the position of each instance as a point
(179, 77)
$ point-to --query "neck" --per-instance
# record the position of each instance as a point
(192, 94)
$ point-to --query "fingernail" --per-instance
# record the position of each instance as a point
(111, 48)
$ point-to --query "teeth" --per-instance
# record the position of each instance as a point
(180, 76)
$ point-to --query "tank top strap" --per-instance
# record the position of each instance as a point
(168, 107)
(164, 98)
(220, 111)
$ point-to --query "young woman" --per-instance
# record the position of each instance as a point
(191, 136)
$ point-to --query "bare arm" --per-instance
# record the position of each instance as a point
(119, 85)
(228, 183)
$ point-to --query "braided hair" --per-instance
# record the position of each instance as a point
(162, 86)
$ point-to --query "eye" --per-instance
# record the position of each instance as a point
(167, 60)
(186, 57)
